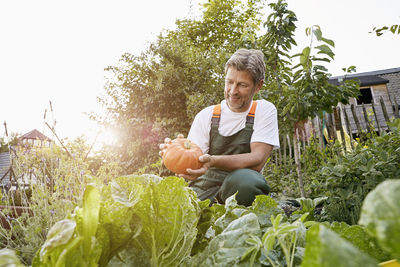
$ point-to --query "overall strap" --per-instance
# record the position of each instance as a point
(216, 115)
(252, 113)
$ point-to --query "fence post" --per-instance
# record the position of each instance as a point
(284, 151)
(346, 117)
(297, 162)
(385, 114)
(332, 127)
(396, 108)
(290, 147)
(280, 156)
(320, 133)
(366, 118)
(341, 128)
(376, 118)
(359, 129)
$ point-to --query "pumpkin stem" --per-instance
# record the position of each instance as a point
(187, 144)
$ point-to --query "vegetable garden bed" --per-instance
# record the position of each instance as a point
(149, 221)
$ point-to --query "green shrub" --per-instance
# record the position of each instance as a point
(347, 179)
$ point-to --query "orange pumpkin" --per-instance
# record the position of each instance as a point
(182, 154)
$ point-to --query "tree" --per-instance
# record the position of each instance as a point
(299, 91)
(158, 93)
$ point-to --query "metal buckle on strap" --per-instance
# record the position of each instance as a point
(252, 113)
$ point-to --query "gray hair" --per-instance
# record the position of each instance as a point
(251, 60)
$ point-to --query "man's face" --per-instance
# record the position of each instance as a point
(240, 89)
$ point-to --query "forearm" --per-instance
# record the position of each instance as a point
(234, 162)
(254, 160)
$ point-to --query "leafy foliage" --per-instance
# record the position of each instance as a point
(143, 212)
(56, 185)
(348, 178)
(142, 219)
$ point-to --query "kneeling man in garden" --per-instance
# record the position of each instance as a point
(236, 136)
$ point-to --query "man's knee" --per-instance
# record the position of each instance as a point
(248, 183)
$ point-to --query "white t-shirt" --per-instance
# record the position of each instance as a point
(265, 124)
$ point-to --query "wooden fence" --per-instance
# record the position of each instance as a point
(343, 125)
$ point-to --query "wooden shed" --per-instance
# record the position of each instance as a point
(379, 95)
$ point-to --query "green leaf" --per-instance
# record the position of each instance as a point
(380, 214)
(126, 197)
(269, 242)
(169, 213)
(326, 249)
(308, 31)
(328, 41)
(90, 216)
(59, 234)
(324, 49)
(305, 55)
(393, 28)
(8, 257)
(317, 32)
(227, 248)
(321, 59)
(264, 206)
(357, 235)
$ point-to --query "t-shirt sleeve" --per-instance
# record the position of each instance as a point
(266, 125)
(199, 132)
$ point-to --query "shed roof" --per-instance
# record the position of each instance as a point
(368, 73)
(35, 134)
(363, 80)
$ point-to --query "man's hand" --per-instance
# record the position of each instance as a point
(194, 174)
(163, 146)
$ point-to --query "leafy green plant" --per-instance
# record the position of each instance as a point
(56, 185)
(337, 244)
(72, 242)
(348, 178)
(243, 236)
(288, 236)
(154, 219)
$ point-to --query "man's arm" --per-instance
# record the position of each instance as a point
(255, 160)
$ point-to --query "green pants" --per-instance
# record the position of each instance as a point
(219, 185)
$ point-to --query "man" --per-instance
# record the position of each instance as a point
(236, 136)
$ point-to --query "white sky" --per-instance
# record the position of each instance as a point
(57, 50)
